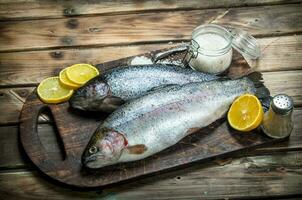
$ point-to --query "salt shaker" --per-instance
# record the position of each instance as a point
(277, 121)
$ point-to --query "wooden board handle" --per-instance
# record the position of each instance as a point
(64, 134)
(30, 138)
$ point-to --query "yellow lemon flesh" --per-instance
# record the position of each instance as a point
(81, 73)
(246, 113)
(66, 82)
(51, 91)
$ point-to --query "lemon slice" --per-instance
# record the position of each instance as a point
(51, 91)
(246, 113)
(81, 73)
(66, 82)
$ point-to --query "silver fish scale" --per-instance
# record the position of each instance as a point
(132, 82)
(162, 118)
(111, 89)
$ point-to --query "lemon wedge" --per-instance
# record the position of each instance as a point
(246, 113)
(66, 82)
(51, 91)
(81, 73)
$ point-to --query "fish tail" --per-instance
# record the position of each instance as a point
(257, 80)
(261, 90)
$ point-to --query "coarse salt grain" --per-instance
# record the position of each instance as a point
(141, 60)
(206, 61)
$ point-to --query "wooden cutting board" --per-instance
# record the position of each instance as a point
(75, 129)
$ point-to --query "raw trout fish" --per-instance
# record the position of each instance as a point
(158, 120)
(111, 89)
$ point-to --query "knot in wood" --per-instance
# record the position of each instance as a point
(68, 11)
(56, 54)
(72, 24)
(67, 40)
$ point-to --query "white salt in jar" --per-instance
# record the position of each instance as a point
(211, 48)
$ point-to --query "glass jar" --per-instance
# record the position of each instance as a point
(211, 48)
(277, 121)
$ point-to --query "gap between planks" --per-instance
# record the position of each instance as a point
(140, 27)
(76, 8)
(140, 43)
(278, 54)
(251, 176)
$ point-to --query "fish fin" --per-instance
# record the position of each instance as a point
(261, 91)
(160, 87)
(113, 100)
(136, 149)
(192, 130)
(110, 103)
(223, 78)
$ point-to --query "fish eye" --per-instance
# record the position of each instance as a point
(93, 149)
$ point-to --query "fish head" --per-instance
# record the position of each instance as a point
(91, 95)
(105, 148)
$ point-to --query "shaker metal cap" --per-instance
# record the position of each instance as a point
(245, 43)
(282, 104)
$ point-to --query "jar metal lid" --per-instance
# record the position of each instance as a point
(282, 104)
(245, 43)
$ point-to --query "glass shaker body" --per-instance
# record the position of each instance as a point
(277, 121)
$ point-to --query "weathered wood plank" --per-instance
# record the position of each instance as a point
(289, 82)
(31, 67)
(278, 53)
(254, 176)
(20, 9)
(134, 28)
(10, 107)
(11, 102)
(13, 156)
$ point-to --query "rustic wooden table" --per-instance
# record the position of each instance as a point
(38, 39)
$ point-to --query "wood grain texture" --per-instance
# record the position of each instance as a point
(278, 53)
(32, 67)
(285, 82)
(11, 102)
(288, 82)
(138, 28)
(273, 176)
(10, 106)
(20, 9)
(13, 156)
